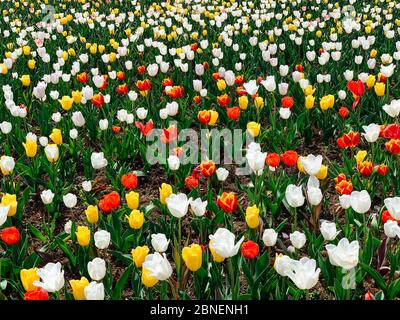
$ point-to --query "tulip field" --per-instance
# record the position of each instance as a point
(200, 150)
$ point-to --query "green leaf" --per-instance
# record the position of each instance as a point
(36, 232)
(376, 276)
(119, 287)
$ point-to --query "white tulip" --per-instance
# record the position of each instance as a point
(102, 239)
(158, 266)
(372, 132)
(47, 196)
(328, 230)
(98, 160)
(294, 196)
(345, 254)
(223, 242)
(393, 206)
(97, 269)
(178, 204)
(198, 206)
(270, 237)
(52, 277)
(70, 200)
(94, 291)
(159, 242)
(297, 239)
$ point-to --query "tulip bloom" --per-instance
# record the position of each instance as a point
(192, 256)
(287, 102)
(204, 116)
(233, 113)
(170, 134)
(28, 277)
(129, 181)
(228, 202)
(136, 219)
(78, 288)
(30, 149)
(56, 136)
(10, 235)
(393, 146)
(66, 102)
(36, 294)
(191, 182)
(250, 249)
(92, 214)
(109, 202)
(83, 236)
(223, 100)
(253, 128)
(132, 200)
(252, 217)
(165, 192)
(98, 100)
(289, 158)
(207, 168)
(11, 201)
(139, 255)
(145, 129)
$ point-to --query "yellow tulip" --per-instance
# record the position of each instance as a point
(373, 53)
(259, 102)
(92, 214)
(56, 136)
(309, 90)
(136, 219)
(3, 69)
(371, 81)
(71, 52)
(83, 235)
(327, 102)
(139, 255)
(252, 217)
(66, 102)
(309, 103)
(31, 64)
(132, 200)
(10, 200)
(253, 128)
(148, 280)
(214, 117)
(30, 148)
(192, 256)
(221, 84)
(26, 50)
(165, 192)
(112, 56)
(64, 55)
(380, 88)
(78, 288)
(243, 102)
(77, 96)
(26, 80)
(360, 156)
(28, 276)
